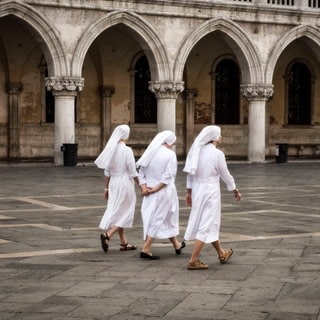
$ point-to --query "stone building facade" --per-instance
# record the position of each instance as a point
(70, 71)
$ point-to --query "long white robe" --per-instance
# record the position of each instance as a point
(160, 210)
(122, 196)
(205, 216)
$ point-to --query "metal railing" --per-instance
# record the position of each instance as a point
(300, 4)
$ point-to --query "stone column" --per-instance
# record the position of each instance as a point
(13, 90)
(257, 96)
(132, 106)
(189, 118)
(166, 93)
(64, 90)
(213, 96)
(106, 94)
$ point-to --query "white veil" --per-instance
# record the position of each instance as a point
(121, 132)
(166, 136)
(207, 134)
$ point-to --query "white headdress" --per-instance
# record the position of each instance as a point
(121, 132)
(166, 136)
(207, 134)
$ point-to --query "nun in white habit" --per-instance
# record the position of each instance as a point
(206, 165)
(160, 204)
(120, 172)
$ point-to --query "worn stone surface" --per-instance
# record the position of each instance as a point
(52, 265)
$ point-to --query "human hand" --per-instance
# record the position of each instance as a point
(144, 190)
(237, 194)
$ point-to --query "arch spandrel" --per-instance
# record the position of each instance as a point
(311, 36)
(236, 38)
(144, 33)
(42, 32)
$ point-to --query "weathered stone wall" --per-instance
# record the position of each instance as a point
(99, 40)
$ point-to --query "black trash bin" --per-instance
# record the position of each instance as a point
(70, 154)
(281, 152)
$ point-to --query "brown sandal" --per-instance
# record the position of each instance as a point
(127, 247)
(104, 241)
(197, 265)
(227, 255)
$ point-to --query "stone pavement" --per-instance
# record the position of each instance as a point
(52, 266)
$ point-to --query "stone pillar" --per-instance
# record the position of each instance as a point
(132, 106)
(64, 90)
(166, 93)
(213, 96)
(106, 94)
(13, 90)
(257, 96)
(189, 118)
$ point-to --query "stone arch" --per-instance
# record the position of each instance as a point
(145, 34)
(312, 35)
(42, 32)
(238, 40)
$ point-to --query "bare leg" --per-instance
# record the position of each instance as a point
(175, 242)
(122, 235)
(147, 245)
(111, 231)
(224, 255)
(198, 245)
(218, 248)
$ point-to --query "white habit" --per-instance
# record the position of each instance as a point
(122, 196)
(205, 216)
(160, 210)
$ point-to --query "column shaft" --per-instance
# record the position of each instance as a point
(64, 91)
(166, 93)
(257, 96)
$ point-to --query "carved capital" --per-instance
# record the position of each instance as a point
(257, 91)
(64, 83)
(191, 93)
(14, 88)
(166, 89)
(107, 91)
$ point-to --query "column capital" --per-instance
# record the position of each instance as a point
(166, 89)
(64, 84)
(191, 93)
(107, 91)
(14, 88)
(256, 91)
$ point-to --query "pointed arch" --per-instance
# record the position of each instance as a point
(144, 33)
(237, 39)
(312, 35)
(43, 33)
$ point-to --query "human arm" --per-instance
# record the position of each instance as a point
(227, 177)
(189, 190)
(106, 186)
(142, 182)
(189, 197)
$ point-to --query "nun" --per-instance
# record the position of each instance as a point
(205, 166)
(160, 204)
(118, 162)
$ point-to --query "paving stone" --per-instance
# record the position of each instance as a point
(52, 265)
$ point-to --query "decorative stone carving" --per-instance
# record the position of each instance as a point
(107, 91)
(14, 88)
(64, 83)
(257, 91)
(166, 89)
